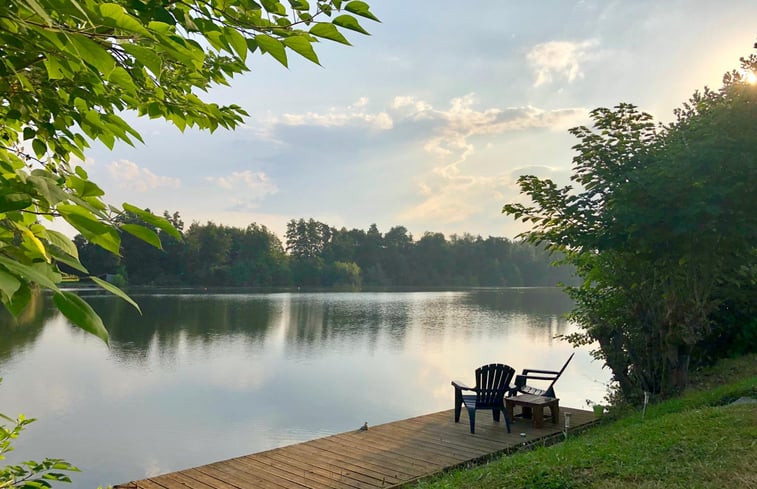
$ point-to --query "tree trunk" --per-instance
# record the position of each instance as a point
(679, 357)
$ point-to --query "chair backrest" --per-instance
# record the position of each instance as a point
(551, 387)
(520, 380)
(492, 382)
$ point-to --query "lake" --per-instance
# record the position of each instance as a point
(204, 376)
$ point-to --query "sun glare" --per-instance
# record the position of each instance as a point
(750, 77)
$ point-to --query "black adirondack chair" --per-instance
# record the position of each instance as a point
(521, 381)
(492, 383)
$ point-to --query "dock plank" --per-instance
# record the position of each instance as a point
(385, 456)
(352, 471)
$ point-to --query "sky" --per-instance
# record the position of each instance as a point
(428, 122)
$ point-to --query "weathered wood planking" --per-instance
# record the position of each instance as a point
(386, 455)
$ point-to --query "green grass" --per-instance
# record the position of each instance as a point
(694, 441)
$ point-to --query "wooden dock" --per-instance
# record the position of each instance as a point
(387, 455)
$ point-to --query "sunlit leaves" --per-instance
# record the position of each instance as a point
(157, 221)
(301, 46)
(328, 31)
(147, 235)
(272, 46)
(349, 22)
(360, 8)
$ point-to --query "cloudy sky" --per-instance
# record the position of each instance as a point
(428, 122)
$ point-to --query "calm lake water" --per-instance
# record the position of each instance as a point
(202, 376)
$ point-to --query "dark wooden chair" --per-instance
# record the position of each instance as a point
(521, 381)
(492, 383)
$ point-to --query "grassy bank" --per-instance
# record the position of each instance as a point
(694, 441)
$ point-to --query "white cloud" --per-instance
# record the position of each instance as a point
(355, 114)
(418, 108)
(447, 191)
(128, 174)
(450, 192)
(456, 126)
(559, 59)
(361, 102)
(256, 185)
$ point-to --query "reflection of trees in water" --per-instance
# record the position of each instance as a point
(168, 320)
(19, 333)
(320, 319)
(545, 301)
(313, 320)
(542, 310)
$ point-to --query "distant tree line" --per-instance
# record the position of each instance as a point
(318, 255)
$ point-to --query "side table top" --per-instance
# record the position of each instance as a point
(532, 399)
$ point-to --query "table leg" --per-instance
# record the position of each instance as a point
(510, 406)
(538, 414)
(555, 410)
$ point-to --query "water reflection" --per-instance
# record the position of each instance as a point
(204, 376)
(20, 333)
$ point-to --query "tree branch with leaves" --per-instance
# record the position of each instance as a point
(70, 69)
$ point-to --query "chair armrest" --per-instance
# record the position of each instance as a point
(527, 371)
(538, 377)
(459, 385)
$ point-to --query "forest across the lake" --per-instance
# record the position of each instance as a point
(315, 254)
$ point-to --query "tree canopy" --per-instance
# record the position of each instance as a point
(318, 255)
(69, 69)
(662, 229)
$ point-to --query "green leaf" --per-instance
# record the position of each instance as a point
(362, 9)
(35, 241)
(39, 147)
(93, 53)
(54, 68)
(14, 202)
(157, 221)
(115, 291)
(145, 57)
(349, 22)
(39, 11)
(67, 259)
(63, 242)
(328, 31)
(91, 228)
(237, 41)
(81, 314)
(110, 240)
(299, 4)
(274, 7)
(83, 220)
(303, 47)
(9, 283)
(147, 235)
(122, 19)
(121, 77)
(274, 47)
(39, 273)
(20, 300)
(48, 189)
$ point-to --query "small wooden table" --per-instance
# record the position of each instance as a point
(536, 405)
